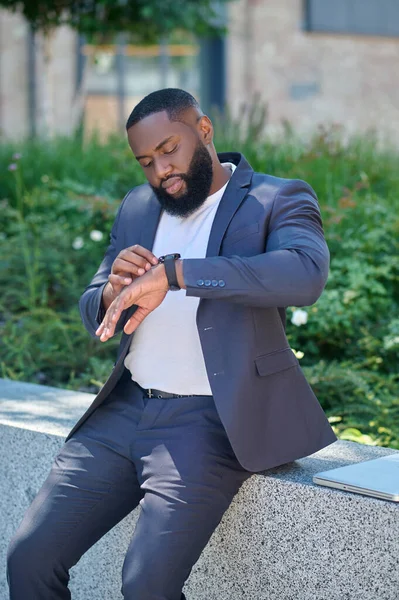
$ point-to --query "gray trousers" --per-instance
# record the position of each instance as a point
(172, 456)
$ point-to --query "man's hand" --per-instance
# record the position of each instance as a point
(130, 263)
(147, 292)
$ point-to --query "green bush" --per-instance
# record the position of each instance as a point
(57, 206)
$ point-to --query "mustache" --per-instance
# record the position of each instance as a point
(179, 175)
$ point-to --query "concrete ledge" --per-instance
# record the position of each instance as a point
(283, 537)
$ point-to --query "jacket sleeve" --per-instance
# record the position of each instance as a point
(292, 271)
(90, 303)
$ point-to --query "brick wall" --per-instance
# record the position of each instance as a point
(54, 95)
(13, 74)
(306, 78)
(310, 78)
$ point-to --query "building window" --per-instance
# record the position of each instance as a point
(364, 17)
(113, 89)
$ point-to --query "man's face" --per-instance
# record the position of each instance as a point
(175, 161)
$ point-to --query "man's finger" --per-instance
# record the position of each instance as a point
(145, 253)
(107, 333)
(115, 309)
(107, 327)
(110, 323)
(119, 280)
(100, 329)
(135, 266)
(135, 320)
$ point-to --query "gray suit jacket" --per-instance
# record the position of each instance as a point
(266, 251)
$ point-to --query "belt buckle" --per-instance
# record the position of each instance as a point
(149, 393)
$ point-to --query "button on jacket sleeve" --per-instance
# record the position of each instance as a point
(293, 269)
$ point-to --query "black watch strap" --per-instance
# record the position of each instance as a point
(169, 260)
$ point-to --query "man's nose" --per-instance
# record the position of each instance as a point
(163, 168)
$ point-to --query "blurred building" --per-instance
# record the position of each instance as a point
(118, 77)
(310, 61)
(317, 61)
(42, 79)
(31, 93)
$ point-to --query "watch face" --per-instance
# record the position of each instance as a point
(174, 256)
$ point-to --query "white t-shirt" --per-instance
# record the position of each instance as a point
(165, 352)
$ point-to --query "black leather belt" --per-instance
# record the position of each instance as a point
(152, 393)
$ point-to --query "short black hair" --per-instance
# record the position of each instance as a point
(172, 100)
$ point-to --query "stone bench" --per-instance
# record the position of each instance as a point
(283, 537)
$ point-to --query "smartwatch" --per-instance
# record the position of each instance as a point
(169, 261)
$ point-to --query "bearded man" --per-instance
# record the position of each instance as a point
(202, 263)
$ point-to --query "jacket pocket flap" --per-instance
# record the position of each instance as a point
(275, 361)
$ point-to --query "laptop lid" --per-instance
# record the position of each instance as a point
(378, 477)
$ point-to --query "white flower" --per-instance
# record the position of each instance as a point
(349, 295)
(298, 353)
(78, 243)
(299, 317)
(96, 235)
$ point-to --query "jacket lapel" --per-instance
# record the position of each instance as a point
(236, 190)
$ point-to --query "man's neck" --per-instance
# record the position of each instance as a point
(221, 175)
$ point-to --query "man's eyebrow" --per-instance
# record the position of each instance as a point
(165, 141)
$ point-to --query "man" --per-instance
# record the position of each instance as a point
(205, 390)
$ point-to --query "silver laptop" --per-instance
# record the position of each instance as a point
(378, 478)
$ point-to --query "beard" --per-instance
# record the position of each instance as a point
(198, 180)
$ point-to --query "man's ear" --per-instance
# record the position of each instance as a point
(205, 129)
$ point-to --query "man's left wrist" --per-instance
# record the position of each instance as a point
(179, 273)
(175, 279)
